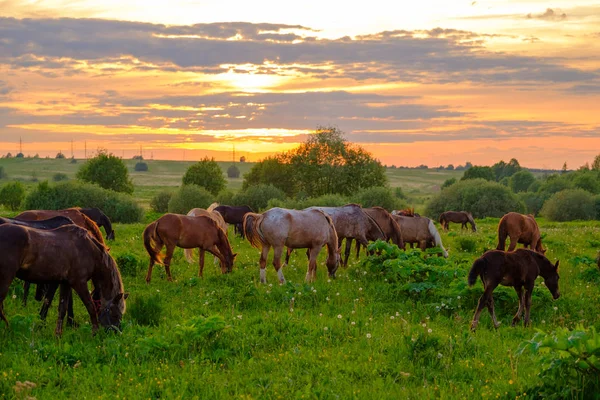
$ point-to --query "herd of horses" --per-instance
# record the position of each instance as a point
(65, 249)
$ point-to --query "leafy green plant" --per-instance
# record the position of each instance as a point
(466, 244)
(160, 202)
(129, 264)
(205, 173)
(146, 310)
(12, 194)
(59, 177)
(107, 171)
(188, 197)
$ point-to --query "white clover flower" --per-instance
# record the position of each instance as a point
(337, 294)
(352, 323)
(326, 329)
(555, 308)
(239, 317)
(291, 309)
(368, 336)
(353, 311)
(327, 298)
(424, 325)
(440, 355)
(360, 289)
(392, 317)
(339, 316)
(429, 330)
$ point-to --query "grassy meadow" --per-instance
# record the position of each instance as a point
(368, 334)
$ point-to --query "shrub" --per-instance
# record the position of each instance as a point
(257, 197)
(553, 184)
(225, 197)
(378, 196)
(205, 173)
(108, 171)
(11, 195)
(59, 177)
(327, 200)
(146, 310)
(588, 181)
(3, 174)
(233, 171)
(569, 205)
(478, 196)
(521, 181)
(129, 264)
(188, 197)
(533, 202)
(119, 207)
(466, 244)
(60, 155)
(141, 167)
(535, 186)
(448, 182)
(597, 203)
(399, 193)
(160, 202)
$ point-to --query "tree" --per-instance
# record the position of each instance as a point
(569, 205)
(564, 168)
(108, 171)
(20, 155)
(205, 173)
(12, 194)
(477, 172)
(450, 167)
(60, 155)
(521, 181)
(596, 163)
(275, 170)
(504, 170)
(188, 197)
(233, 171)
(448, 182)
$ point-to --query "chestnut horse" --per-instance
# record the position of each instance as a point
(234, 215)
(420, 230)
(459, 217)
(69, 255)
(521, 229)
(518, 269)
(306, 229)
(407, 212)
(176, 230)
(196, 212)
(388, 225)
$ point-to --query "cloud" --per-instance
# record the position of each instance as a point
(549, 15)
(5, 89)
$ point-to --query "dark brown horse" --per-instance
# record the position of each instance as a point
(306, 229)
(521, 229)
(388, 225)
(234, 215)
(175, 230)
(69, 255)
(459, 217)
(96, 215)
(518, 269)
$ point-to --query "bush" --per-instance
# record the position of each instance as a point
(188, 197)
(466, 244)
(129, 264)
(11, 195)
(60, 155)
(225, 197)
(533, 202)
(205, 173)
(597, 202)
(108, 171)
(3, 174)
(146, 310)
(521, 181)
(327, 200)
(59, 177)
(257, 197)
(233, 171)
(478, 196)
(118, 207)
(141, 167)
(553, 184)
(379, 196)
(448, 182)
(399, 193)
(569, 205)
(160, 202)
(588, 181)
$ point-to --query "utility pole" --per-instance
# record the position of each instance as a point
(141, 155)
(234, 153)
(20, 145)
(85, 148)
(72, 156)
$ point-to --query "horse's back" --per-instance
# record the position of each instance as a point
(295, 228)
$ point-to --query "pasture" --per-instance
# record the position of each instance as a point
(380, 330)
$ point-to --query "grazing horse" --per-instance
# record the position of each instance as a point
(234, 215)
(459, 217)
(388, 225)
(176, 230)
(307, 229)
(407, 212)
(68, 255)
(351, 222)
(217, 217)
(518, 269)
(96, 215)
(521, 229)
(420, 230)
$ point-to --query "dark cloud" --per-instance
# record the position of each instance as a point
(549, 15)
(5, 88)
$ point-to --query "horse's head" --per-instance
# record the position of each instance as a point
(111, 235)
(551, 279)
(112, 312)
(227, 265)
(333, 262)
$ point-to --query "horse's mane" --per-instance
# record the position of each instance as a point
(407, 212)
(374, 221)
(352, 205)
(212, 207)
(94, 230)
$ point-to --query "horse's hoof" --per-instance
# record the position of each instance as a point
(497, 325)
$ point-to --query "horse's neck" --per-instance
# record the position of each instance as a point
(109, 281)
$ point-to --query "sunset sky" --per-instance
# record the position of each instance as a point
(426, 82)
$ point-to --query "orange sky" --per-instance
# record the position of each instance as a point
(431, 83)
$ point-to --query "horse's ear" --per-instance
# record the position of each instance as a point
(125, 296)
(556, 265)
(234, 255)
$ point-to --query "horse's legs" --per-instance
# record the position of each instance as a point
(527, 298)
(201, 262)
(483, 301)
(47, 297)
(277, 252)
(263, 263)
(3, 293)
(490, 307)
(349, 248)
(167, 262)
(26, 286)
(84, 294)
(70, 315)
(65, 293)
(513, 243)
(517, 316)
(357, 249)
(288, 252)
(311, 273)
(423, 245)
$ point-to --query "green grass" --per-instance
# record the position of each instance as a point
(352, 337)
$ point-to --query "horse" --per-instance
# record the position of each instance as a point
(518, 269)
(521, 229)
(96, 215)
(297, 229)
(195, 212)
(407, 212)
(420, 230)
(176, 230)
(459, 217)
(68, 255)
(234, 215)
(351, 222)
(388, 225)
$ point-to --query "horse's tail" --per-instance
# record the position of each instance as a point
(442, 219)
(189, 255)
(251, 229)
(502, 234)
(436, 237)
(212, 206)
(476, 270)
(399, 240)
(472, 221)
(150, 233)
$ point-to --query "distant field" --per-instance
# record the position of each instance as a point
(418, 184)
